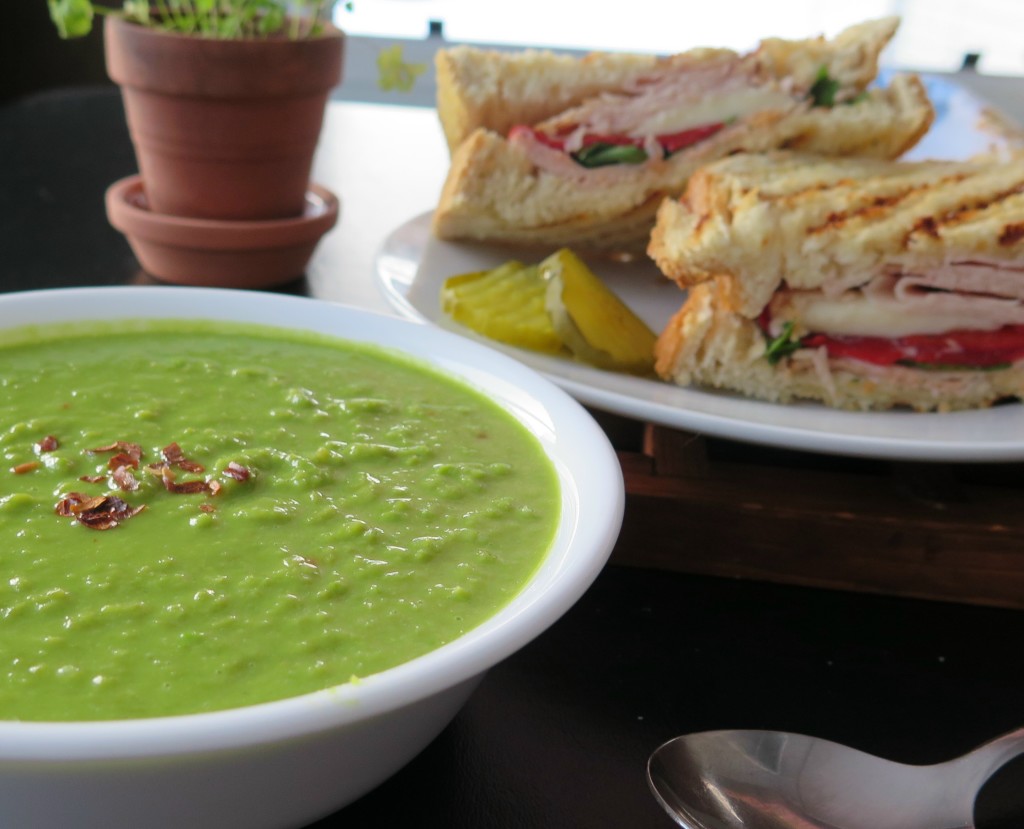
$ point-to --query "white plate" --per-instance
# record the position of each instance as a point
(963, 125)
(412, 265)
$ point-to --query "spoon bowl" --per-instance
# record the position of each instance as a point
(775, 780)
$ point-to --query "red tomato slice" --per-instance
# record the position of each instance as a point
(554, 141)
(671, 142)
(970, 349)
(687, 138)
(619, 140)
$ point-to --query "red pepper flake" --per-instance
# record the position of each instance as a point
(187, 487)
(133, 450)
(175, 457)
(75, 502)
(237, 471)
(22, 468)
(47, 444)
(123, 459)
(124, 479)
(101, 512)
(207, 508)
(93, 479)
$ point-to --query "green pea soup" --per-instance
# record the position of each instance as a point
(198, 516)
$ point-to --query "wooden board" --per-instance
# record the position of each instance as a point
(937, 531)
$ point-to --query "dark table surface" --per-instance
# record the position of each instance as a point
(559, 734)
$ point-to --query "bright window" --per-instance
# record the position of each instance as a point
(935, 34)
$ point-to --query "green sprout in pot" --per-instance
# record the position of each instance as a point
(223, 19)
(231, 20)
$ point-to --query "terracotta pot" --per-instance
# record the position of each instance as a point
(223, 129)
(217, 252)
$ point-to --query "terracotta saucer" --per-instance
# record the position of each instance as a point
(214, 252)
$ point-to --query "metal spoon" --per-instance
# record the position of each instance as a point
(774, 780)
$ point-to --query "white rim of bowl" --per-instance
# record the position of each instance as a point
(592, 508)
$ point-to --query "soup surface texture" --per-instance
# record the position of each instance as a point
(198, 516)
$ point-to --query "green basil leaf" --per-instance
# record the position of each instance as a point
(602, 155)
(823, 91)
(782, 345)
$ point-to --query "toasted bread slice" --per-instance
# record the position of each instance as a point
(814, 222)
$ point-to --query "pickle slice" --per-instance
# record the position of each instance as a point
(506, 304)
(591, 320)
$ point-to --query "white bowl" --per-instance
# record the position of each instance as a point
(289, 762)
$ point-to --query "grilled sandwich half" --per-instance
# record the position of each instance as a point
(551, 150)
(864, 284)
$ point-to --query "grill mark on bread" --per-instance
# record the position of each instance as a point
(932, 226)
(806, 192)
(926, 225)
(1012, 233)
(967, 212)
(879, 207)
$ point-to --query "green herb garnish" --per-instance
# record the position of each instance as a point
(823, 90)
(782, 345)
(601, 155)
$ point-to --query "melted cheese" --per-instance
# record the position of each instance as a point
(857, 314)
(714, 109)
